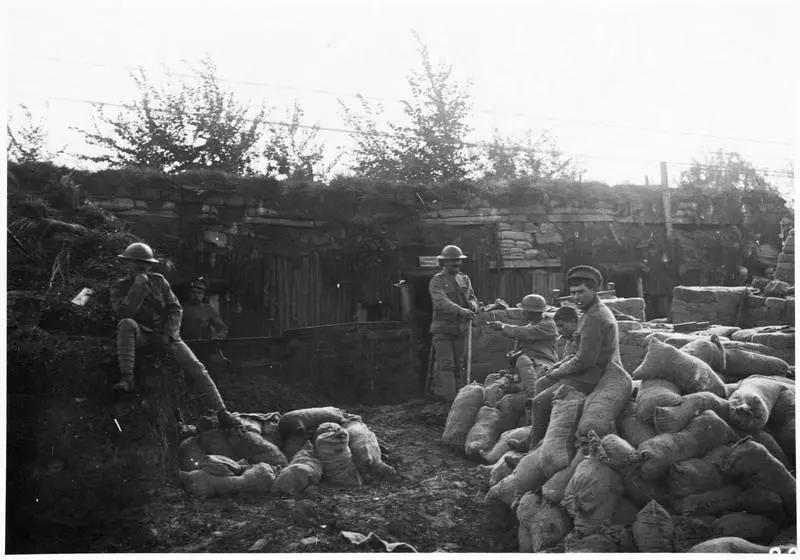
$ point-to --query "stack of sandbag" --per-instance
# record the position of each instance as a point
(628, 306)
(784, 271)
(631, 350)
(778, 339)
(716, 304)
(480, 414)
(280, 453)
(688, 459)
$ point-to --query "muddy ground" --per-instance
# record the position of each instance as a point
(437, 506)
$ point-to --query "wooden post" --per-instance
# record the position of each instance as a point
(666, 200)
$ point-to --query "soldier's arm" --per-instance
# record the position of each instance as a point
(544, 330)
(471, 298)
(174, 312)
(126, 305)
(220, 328)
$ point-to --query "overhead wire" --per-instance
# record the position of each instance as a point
(477, 110)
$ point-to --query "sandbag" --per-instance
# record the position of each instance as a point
(493, 393)
(691, 531)
(631, 428)
(690, 374)
(593, 484)
(579, 542)
(719, 330)
(305, 470)
(745, 525)
(606, 401)
(248, 421)
(219, 465)
(501, 468)
(764, 502)
(751, 462)
(484, 432)
(293, 443)
(656, 392)
(625, 512)
(743, 363)
(653, 529)
(215, 442)
(541, 525)
(558, 444)
(554, 489)
(512, 408)
(593, 521)
(693, 476)
(256, 480)
(527, 375)
(331, 446)
(730, 388)
(675, 418)
(507, 439)
(782, 423)
(768, 440)
(617, 453)
(752, 403)
(365, 449)
(709, 350)
(711, 502)
(251, 446)
(461, 417)
(190, 454)
(528, 476)
(307, 420)
(702, 434)
(735, 545)
(270, 428)
(641, 491)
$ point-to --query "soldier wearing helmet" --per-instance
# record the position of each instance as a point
(200, 319)
(454, 307)
(149, 314)
(537, 337)
(598, 346)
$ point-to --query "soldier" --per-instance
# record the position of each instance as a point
(200, 319)
(537, 337)
(149, 315)
(566, 320)
(454, 308)
(598, 344)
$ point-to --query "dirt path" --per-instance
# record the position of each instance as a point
(438, 506)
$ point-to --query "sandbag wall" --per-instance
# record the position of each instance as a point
(729, 306)
(691, 454)
(279, 453)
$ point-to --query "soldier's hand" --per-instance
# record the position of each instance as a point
(495, 325)
(468, 313)
(140, 278)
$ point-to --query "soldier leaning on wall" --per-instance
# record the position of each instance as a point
(454, 307)
(149, 314)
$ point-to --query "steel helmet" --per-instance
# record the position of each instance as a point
(138, 252)
(452, 252)
(533, 302)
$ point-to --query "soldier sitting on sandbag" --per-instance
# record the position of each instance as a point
(149, 314)
(598, 344)
(537, 337)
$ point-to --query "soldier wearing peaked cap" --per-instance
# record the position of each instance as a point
(598, 345)
(454, 306)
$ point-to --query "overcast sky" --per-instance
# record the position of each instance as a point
(621, 84)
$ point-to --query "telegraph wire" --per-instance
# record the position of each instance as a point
(477, 110)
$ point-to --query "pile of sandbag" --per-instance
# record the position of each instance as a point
(692, 458)
(280, 453)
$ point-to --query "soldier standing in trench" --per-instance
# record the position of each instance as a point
(200, 319)
(598, 344)
(454, 308)
(150, 314)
